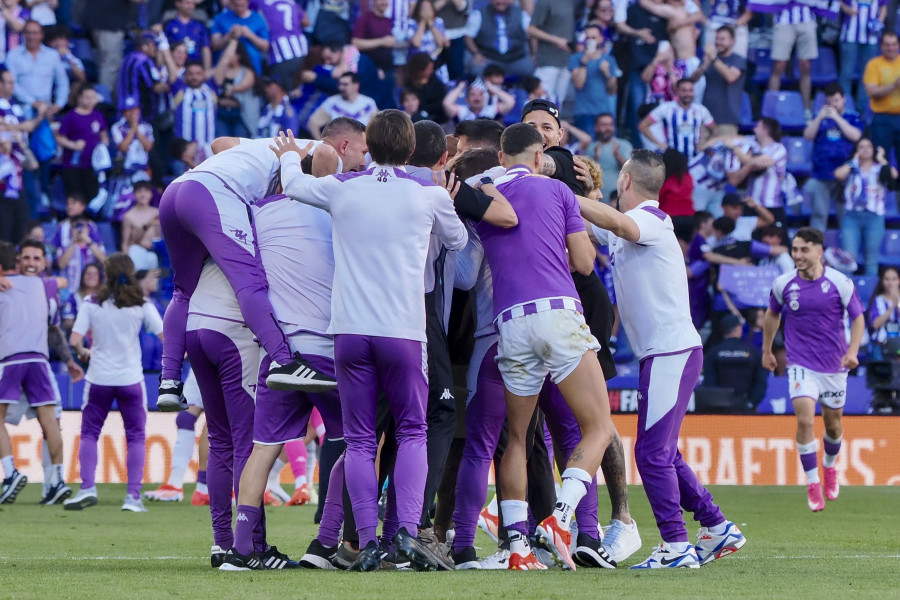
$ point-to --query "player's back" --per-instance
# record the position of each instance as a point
(115, 339)
(294, 241)
(24, 315)
(529, 262)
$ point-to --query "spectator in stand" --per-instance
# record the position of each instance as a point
(774, 236)
(882, 313)
(795, 28)
(595, 78)
(80, 131)
(644, 30)
(58, 39)
(15, 157)
(278, 114)
(682, 18)
(455, 15)
(337, 60)
(833, 132)
(238, 106)
(194, 105)
(724, 72)
(77, 239)
(553, 28)
(477, 105)
(14, 18)
(734, 207)
(133, 138)
(497, 34)
(422, 79)
(91, 279)
(733, 14)
(409, 102)
(683, 122)
(42, 11)
(882, 81)
(373, 35)
(661, 75)
(535, 89)
(697, 256)
(182, 157)
(108, 22)
(39, 72)
(676, 197)
(245, 25)
(183, 27)
(861, 22)
(609, 151)
(140, 82)
(737, 364)
(866, 178)
(347, 103)
(140, 228)
(762, 164)
(426, 31)
(288, 45)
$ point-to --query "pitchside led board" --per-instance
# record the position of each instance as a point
(723, 450)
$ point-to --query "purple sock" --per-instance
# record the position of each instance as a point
(808, 460)
(259, 532)
(247, 520)
(519, 526)
(201, 477)
(333, 512)
(185, 420)
(831, 448)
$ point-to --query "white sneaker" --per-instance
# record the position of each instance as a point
(712, 546)
(278, 492)
(84, 498)
(665, 557)
(134, 504)
(497, 561)
(620, 540)
(171, 396)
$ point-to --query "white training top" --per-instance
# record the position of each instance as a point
(651, 284)
(381, 222)
(294, 242)
(214, 297)
(115, 335)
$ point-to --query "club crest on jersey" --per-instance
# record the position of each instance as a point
(826, 285)
(794, 305)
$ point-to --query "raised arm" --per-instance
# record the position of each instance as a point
(297, 184)
(610, 219)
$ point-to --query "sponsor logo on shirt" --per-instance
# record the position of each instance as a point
(240, 236)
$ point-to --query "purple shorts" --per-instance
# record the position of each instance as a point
(33, 376)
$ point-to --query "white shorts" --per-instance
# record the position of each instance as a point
(531, 346)
(829, 389)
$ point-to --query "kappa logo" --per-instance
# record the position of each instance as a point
(382, 176)
(794, 287)
(826, 285)
(243, 517)
(240, 235)
(447, 395)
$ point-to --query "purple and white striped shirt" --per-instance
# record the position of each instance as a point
(195, 112)
(855, 28)
(863, 191)
(766, 187)
(794, 14)
(362, 109)
(286, 37)
(682, 126)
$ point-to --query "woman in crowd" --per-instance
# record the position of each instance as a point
(238, 107)
(91, 278)
(884, 317)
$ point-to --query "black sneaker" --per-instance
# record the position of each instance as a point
(233, 561)
(12, 485)
(466, 559)
(389, 560)
(369, 559)
(274, 560)
(318, 556)
(298, 375)
(56, 494)
(420, 558)
(170, 397)
(216, 557)
(345, 556)
(590, 553)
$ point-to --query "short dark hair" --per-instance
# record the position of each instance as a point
(701, 217)
(493, 69)
(177, 147)
(888, 33)
(727, 28)
(724, 224)
(431, 143)
(408, 92)
(77, 197)
(30, 243)
(485, 133)
(7, 256)
(476, 161)
(342, 126)
(390, 137)
(142, 185)
(417, 63)
(354, 78)
(518, 138)
(771, 231)
(192, 63)
(647, 171)
(810, 235)
(833, 88)
(773, 126)
(530, 84)
(684, 80)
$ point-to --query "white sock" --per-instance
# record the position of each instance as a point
(275, 472)
(718, 529)
(92, 490)
(516, 511)
(8, 466)
(679, 546)
(201, 487)
(310, 461)
(181, 457)
(56, 474)
(48, 466)
(574, 487)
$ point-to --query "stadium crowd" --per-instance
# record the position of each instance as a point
(102, 113)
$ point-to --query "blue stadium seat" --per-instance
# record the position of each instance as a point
(865, 286)
(890, 249)
(104, 92)
(49, 230)
(747, 120)
(81, 48)
(108, 235)
(521, 97)
(786, 107)
(799, 152)
(761, 57)
(823, 70)
(832, 238)
(819, 102)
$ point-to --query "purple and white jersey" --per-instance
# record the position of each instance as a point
(548, 212)
(813, 314)
(651, 284)
(682, 126)
(195, 112)
(891, 328)
(855, 28)
(136, 158)
(281, 117)
(295, 246)
(467, 114)
(429, 46)
(76, 126)
(24, 316)
(193, 33)
(286, 37)
(10, 176)
(9, 38)
(362, 109)
(137, 76)
(115, 339)
(82, 255)
(794, 14)
(11, 112)
(382, 220)
(864, 191)
(764, 187)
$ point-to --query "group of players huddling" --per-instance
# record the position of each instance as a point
(323, 260)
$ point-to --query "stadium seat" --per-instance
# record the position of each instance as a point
(108, 235)
(747, 120)
(823, 70)
(799, 152)
(81, 48)
(761, 57)
(819, 102)
(890, 249)
(865, 286)
(832, 238)
(785, 107)
(521, 97)
(103, 92)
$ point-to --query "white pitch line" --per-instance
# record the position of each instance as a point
(19, 558)
(815, 557)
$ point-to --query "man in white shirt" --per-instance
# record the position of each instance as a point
(382, 220)
(651, 285)
(682, 120)
(348, 102)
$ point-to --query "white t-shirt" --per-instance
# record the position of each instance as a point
(382, 219)
(213, 298)
(116, 345)
(651, 284)
(362, 109)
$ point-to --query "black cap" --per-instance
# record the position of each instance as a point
(275, 79)
(732, 199)
(728, 323)
(541, 104)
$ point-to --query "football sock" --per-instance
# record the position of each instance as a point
(809, 461)
(184, 448)
(275, 472)
(515, 520)
(574, 487)
(679, 546)
(296, 453)
(832, 448)
(718, 529)
(201, 482)
(8, 466)
(311, 461)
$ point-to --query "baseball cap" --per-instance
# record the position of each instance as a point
(541, 104)
(728, 323)
(732, 199)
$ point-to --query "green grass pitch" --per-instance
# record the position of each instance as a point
(852, 549)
